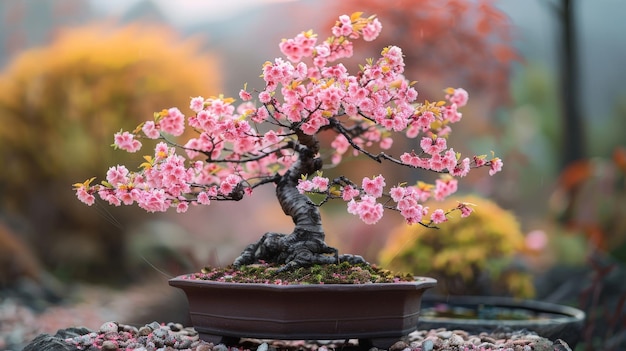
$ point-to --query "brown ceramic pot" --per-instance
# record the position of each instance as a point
(378, 314)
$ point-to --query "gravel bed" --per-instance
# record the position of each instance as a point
(113, 336)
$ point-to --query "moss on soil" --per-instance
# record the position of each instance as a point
(343, 273)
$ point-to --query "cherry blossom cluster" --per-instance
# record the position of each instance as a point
(236, 147)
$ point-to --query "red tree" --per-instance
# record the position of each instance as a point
(463, 43)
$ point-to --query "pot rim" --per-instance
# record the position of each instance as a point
(563, 313)
(418, 283)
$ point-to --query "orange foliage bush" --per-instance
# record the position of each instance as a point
(60, 105)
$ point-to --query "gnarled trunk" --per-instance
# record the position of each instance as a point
(305, 246)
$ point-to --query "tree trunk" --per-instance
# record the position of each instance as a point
(305, 246)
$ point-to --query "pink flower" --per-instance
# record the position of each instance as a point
(84, 196)
(459, 97)
(438, 216)
(203, 198)
(174, 123)
(495, 166)
(228, 185)
(349, 192)
(154, 200)
(304, 186)
(368, 210)
(372, 30)
(466, 210)
(461, 169)
(320, 183)
(150, 130)
(126, 141)
(449, 160)
(451, 114)
(197, 104)
(374, 187)
(445, 187)
(397, 193)
(433, 146)
(479, 161)
(117, 176)
(182, 207)
(536, 240)
(265, 97)
(244, 95)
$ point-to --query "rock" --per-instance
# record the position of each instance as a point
(220, 347)
(109, 345)
(109, 327)
(428, 345)
(445, 334)
(456, 340)
(144, 331)
(56, 342)
(399, 346)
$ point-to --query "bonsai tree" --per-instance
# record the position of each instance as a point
(273, 137)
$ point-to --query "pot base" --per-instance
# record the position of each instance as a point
(378, 314)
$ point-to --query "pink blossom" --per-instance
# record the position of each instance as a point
(265, 97)
(372, 29)
(462, 168)
(449, 160)
(84, 196)
(459, 97)
(271, 138)
(320, 183)
(374, 187)
(386, 143)
(436, 163)
(466, 210)
(182, 207)
(197, 104)
(349, 192)
(397, 193)
(161, 151)
(228, 185)
(445, 187)
(244, 95)
(479, 161)
(450, 113)
(126, 141)
(368, 210)
(117, 175)
(174, 122)
(433, 146)
(438, 216)
(495, 166)
(154, 200)
(304, 186)
(150, 130)
(410, 159)
(536, 240)
(340, 144)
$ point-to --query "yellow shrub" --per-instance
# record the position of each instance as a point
(473, 255)
(60, 105)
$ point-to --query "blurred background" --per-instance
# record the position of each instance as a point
(546, 84)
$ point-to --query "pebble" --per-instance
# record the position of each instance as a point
(428, 345)
(174, 336)
(144, 331)
(108, 327)
(109, 346)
